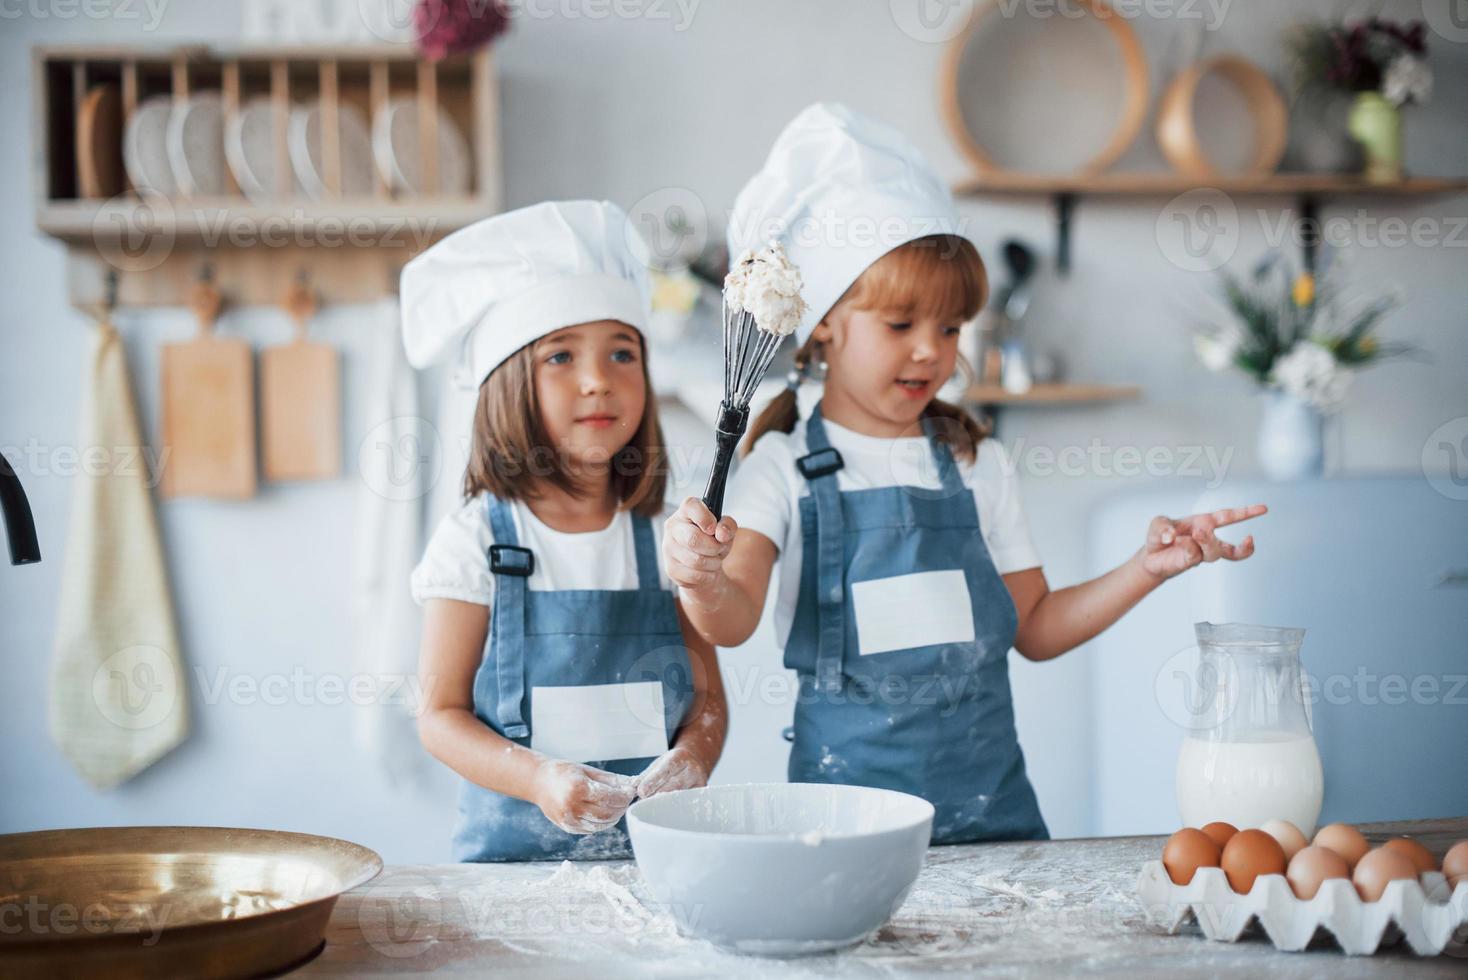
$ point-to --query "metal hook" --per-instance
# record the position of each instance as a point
(109, 291)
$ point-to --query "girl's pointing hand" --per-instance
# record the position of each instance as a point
(1174, 546)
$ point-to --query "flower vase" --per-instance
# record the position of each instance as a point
(1291, 438)
(1376, 124)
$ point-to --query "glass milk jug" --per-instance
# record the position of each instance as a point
(1252, 756)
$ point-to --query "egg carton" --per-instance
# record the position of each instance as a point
(1422, 912)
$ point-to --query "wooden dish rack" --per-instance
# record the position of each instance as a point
(350, 247)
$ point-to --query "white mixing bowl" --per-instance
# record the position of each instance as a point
(780, 869)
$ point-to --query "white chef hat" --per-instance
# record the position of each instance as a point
(840, 190)
(491, 288)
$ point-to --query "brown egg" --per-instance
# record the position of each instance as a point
(1188, 850)
(1379, 867)
(1287, 834)
(1220, 831)
(1249, 854)
(1313, 865)
(1345, 840)
(1455, 864)
(1420, 856)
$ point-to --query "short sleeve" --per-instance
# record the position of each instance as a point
(758, 497)
(455, 564)
(1006, 531)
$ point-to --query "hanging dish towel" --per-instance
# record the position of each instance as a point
(393, 462)
(119, 697)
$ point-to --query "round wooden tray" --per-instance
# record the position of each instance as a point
(1134, 110)
(1177, 131)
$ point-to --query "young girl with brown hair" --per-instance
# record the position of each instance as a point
(906, 567)
(561, 679)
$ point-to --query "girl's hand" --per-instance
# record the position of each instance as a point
(694, 548)
(580, 799)
(678, 768)
(1176, 546)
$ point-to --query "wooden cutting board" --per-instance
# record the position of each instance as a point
(208, 410)
(300, 401)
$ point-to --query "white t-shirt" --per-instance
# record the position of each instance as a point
(455, 564)
(764, 496)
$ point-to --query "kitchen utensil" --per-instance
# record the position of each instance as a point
(195, 141)
(1012, 301)
(996, 16)
(300, 400)
(1249, 755)
(1177, 130)
(99, 143)
(1423, 912)
(1014, 374)
(396, 146)
(196, 902)
(780, 868)
(249, 148)
(1020, 260)
(354, 152)
(208, 422)
(1047, 367)
(20, 527)
(145, 147)
(976, 341)
(750, 344)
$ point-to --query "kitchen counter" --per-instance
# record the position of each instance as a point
(1043, 908)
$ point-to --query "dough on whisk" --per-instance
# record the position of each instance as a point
(767, 284)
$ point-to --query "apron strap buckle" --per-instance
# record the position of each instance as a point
(822, 462)
(517, 731)
(509, 559)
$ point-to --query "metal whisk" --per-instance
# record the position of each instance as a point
(748, 351)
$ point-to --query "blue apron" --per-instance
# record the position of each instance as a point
(552, 649)
(901, 640)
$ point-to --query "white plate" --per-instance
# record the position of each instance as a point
(144, 146)
(395, 144)
(308, 158)
(196, 145)
(249, 146)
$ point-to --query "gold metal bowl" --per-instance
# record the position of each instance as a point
(169, 901)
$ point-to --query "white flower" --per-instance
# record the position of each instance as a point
(1407, 79)
(1311, 373)
(1216, 351)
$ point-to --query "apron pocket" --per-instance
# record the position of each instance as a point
(599, 722)
(905, 612)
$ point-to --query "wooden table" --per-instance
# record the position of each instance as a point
(1048, 908)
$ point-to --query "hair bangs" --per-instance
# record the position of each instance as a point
(938, 276)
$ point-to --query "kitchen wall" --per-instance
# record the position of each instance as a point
(688, 96)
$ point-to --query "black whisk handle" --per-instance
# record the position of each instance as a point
(730, 428)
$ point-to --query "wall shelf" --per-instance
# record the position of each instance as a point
(1308, 189)
(1146, 185)
(1052, 394)
(204, 221)
(990, 401)
(351, 246)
